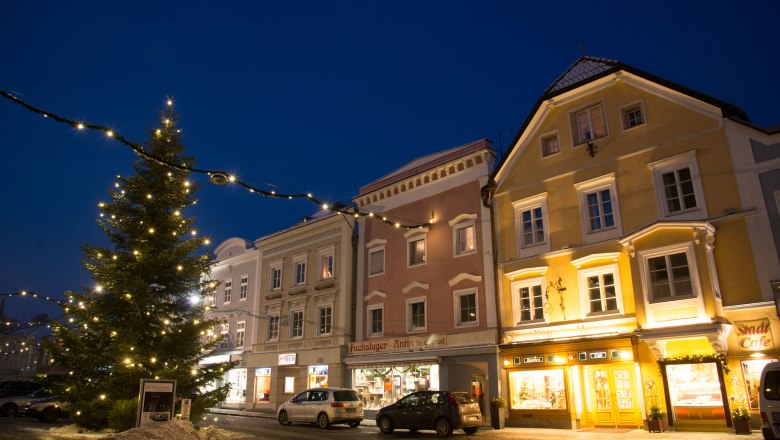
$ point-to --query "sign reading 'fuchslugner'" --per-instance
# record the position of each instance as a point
(398, 344)
(755, 335)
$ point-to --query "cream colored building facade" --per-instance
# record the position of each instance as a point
(305, 310)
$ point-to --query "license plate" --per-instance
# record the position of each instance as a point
(350, 409)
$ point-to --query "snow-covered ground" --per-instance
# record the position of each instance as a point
(173, 430)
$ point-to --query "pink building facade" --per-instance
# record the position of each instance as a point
(425, 297)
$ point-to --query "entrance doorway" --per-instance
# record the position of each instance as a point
(611, 399)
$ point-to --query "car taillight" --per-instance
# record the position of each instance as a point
(764, 418)
(453, 400)
(336, 405)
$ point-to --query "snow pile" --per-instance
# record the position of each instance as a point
(175, 430)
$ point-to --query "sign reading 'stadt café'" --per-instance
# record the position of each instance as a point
(398, 344)
(754, 335)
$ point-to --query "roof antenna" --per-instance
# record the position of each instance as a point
(582, 49)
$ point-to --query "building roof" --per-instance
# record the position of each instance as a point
(425, 163)
(585, 67)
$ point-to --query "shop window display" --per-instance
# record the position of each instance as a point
(537, 389)
(262, 384)
(751, 373)
(379, 387)
(694, 390)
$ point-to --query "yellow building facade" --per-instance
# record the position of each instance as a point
(626, 276)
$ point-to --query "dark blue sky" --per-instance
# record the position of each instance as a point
(311, 96)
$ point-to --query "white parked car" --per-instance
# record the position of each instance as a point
(323, 406)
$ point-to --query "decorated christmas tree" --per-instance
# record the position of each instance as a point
(144, 319)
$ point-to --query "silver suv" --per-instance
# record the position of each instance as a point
(323, 406)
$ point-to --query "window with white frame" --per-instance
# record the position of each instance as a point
(327, 256)
(296, 324)
(299, 269)
(276, 275)
(376, 320)
(224, 337)
(669, 276)
(466, 308)
(531, 224)
(325, 320)
(599, 208)
(376, 261)
(465, 238)
(678, 187)
(600, 290)
(589, 124)
(633, 115)
(240, 329)
(416, 247)
(244, 286)
(272, 329)
(228, 290)
(415, 314)
(550, 144)
(528, 301)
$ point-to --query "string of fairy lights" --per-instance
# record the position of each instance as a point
(217, 177)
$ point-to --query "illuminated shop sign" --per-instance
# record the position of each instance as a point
(287, 359)
(598, 355)
(755, 335)
(262, 371)
(533, 359)
(398, 344)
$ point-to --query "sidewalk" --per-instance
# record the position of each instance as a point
(551, 434)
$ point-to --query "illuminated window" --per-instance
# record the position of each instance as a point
(537, 389)
(326, 264)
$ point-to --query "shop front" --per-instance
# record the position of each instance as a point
(750, 347)
(573, 385)
(384, 370)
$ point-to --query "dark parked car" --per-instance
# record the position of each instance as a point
(442, 411)
(13, 388)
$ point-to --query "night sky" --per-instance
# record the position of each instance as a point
(320, 97)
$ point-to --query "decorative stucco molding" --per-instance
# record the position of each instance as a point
(464, 276)
(414, 284)
(374, 293)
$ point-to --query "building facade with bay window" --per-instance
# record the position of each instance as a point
(633, 267)
(305, 310)
(425, 303)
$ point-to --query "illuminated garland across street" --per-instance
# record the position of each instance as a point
(217, 177)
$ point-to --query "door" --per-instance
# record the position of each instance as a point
(477, 384)
(611, 397)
